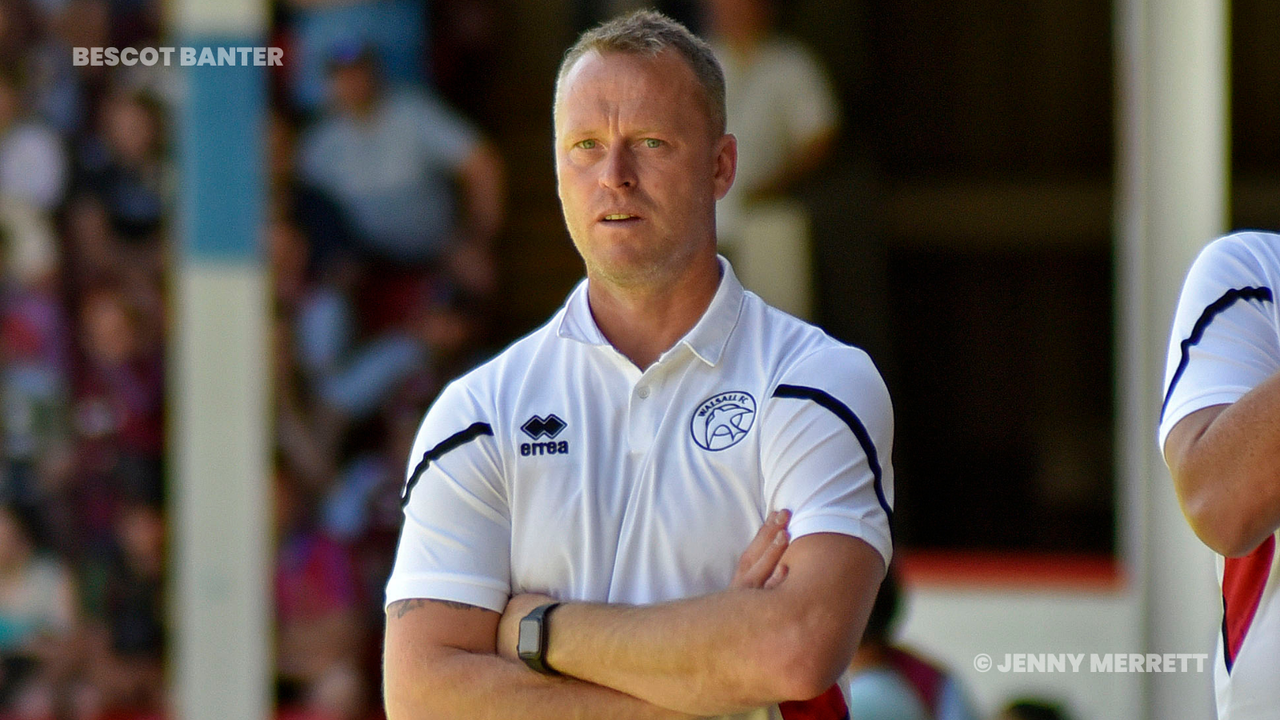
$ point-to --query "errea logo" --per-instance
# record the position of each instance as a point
(548, 427)
(536, 427)
(721, 421)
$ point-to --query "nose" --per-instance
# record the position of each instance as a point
(619, 169)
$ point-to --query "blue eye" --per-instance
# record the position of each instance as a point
(587, 144)
(652, 142)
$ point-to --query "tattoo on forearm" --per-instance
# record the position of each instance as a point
(400, 608)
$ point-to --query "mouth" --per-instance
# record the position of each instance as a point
(619, 219)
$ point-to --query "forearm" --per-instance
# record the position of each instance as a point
(733, 650)
(1226, 473)
(451, 683)
(712, 655)
(803, 162)
(484, 190)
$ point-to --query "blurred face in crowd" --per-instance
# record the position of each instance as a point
(8, 104)
(85, 23)
(354, 87)
(130, 130)
(739, 20)
(141, 533)
(110, 333)
(89, 233)
(15, 547)
(638, 166)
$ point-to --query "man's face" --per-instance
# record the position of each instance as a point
(638, 167)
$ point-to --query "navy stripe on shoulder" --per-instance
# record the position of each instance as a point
(1215, 308)
(843, 412)
(462, 437)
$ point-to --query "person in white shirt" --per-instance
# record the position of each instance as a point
(582, 502)
(1220, 433)
(783, 110)
(33, 162)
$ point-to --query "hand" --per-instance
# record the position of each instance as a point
(509, 626)
(760, 566)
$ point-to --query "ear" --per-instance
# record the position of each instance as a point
(726, 164)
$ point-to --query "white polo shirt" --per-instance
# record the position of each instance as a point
(1225, 342)
(560, 468)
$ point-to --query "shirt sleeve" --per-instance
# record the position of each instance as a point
(810, 107)
(829, 430)
(456, 540)
(35, 166)
(446, 136)
(1224, 341)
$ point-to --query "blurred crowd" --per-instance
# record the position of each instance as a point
(84, 190)
(382, 204)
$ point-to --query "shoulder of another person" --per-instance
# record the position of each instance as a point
(1243, 265)
(418, 102)
(787, 50)
(1241, 254)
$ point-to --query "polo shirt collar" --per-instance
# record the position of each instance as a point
(707, 339)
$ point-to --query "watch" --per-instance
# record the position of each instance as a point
(532, 643)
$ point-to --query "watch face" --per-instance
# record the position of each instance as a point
(528, 641)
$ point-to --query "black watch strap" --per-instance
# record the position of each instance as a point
(533, 639)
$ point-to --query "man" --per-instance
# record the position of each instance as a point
(783, 111)
(1220, 432)
(389, 157)
(622, 456)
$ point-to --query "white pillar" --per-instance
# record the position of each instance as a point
(220, 658)
(1171, 188)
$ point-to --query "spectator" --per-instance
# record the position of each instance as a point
(342, 379)
(32, 160)
(889, 682)
(124, 167)
(34, 395)
(389, 158)
(397, 29)
(119, 405)
(330, 243)
(61, 90)
(363, 507)
(319, 618)
(37, 620)
(34, 347)
(93, 252)
(1029, 709)
(781, 108)
(128, 674)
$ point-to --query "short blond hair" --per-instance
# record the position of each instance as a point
(648, 32)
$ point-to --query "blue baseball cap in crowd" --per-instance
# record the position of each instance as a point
(349, 52)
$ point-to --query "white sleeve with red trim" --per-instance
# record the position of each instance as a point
(1224, 340)
(827, 456)
(456, 540)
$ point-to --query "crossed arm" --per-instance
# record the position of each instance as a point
(440, 663)
(784, 630)
(1224, 462)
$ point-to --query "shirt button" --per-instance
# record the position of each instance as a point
(643, 392)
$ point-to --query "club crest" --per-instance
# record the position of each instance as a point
(721, 421)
